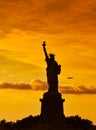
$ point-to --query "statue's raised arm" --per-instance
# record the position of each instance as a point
(52, 71)
(44, 49)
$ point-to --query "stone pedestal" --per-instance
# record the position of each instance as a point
(52, 107)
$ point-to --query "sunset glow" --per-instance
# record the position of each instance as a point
(68, 27)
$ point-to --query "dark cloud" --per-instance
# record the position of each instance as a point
(20, 86)
(87, 90)
(38, 85)
(42, 86)
(78, 90)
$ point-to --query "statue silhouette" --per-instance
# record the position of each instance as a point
(53, 69)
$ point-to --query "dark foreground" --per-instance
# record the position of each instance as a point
(35, 123)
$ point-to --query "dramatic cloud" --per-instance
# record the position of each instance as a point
(48, 16)
(20, 86)
(78, 90)
(38, 85)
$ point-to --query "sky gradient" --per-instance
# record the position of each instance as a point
(69, 28)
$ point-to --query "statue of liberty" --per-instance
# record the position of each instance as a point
(53, 69)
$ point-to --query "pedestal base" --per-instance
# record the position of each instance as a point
(52, 107)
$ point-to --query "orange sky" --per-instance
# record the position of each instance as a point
(70, 31)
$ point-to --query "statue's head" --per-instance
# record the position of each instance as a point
(52, 56)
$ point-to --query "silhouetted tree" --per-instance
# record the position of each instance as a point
(86, 124)
(27, 122)
(6, 125)
(77, 122)
(34, 122)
